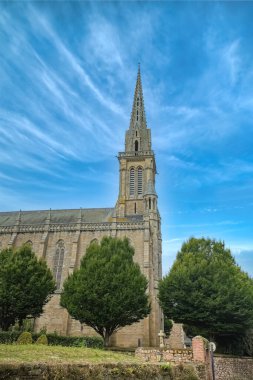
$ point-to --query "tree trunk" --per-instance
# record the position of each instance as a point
(106, 339)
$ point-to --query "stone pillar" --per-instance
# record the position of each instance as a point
(199, 349)
(200, 352)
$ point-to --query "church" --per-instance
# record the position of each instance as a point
(61, 237)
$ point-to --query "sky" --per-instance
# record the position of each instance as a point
(67, 78)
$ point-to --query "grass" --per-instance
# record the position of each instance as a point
(31, 353)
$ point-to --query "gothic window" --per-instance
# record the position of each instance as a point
(149, 203)
(94, 241)
(136, 146)
(135, 207)
(132, 181)
(139, 180)
(58, 263)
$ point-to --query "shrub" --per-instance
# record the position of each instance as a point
(25, 338)
(8, 337)
(42, 339)
(74, 341)
(166, 368)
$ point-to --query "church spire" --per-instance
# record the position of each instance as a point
(138, 137)
(138, 117)
(137, 194)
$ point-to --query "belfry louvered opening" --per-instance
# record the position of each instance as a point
(132, 181)
(139, 180)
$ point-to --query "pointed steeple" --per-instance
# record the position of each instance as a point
(138, 137)
(137, 194)
(138, 117)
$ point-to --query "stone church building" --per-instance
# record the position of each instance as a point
(62, 236)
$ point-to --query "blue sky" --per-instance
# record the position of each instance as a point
(67, 77)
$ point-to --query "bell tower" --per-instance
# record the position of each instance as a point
(137, 202)
(137, 194)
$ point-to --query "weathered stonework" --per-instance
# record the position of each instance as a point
(231, 368)
(61, 237)
(176, 337)
(198, 356)
(164, 355)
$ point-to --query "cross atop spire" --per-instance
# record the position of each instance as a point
(138, 117)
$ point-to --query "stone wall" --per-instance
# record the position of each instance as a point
(198, 356)
(164, 355)
(231, 368)
(56, 318)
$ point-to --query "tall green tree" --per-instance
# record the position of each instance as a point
(25, 286)
(109, 290)
(207, 290)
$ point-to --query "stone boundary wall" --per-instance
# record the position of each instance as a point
(232, 368)
(150, 354)
(198, 356)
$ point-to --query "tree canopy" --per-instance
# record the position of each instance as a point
(206, 290)
(109, 290)
(25, 285)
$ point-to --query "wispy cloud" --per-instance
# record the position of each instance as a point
(38, 19)
(66, 96)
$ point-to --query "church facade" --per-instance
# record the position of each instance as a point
(62, 236)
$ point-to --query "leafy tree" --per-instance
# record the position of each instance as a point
(25, 285)
(207, 291)
(108, 291)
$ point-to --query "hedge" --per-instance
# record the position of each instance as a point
(109, 371)
(9, 337)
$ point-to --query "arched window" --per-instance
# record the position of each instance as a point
(136, 146)
(58, 263)
(149, 203)
(132, 181)
(139, 180)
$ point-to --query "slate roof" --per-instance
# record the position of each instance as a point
(93, 215)
(89, 215)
